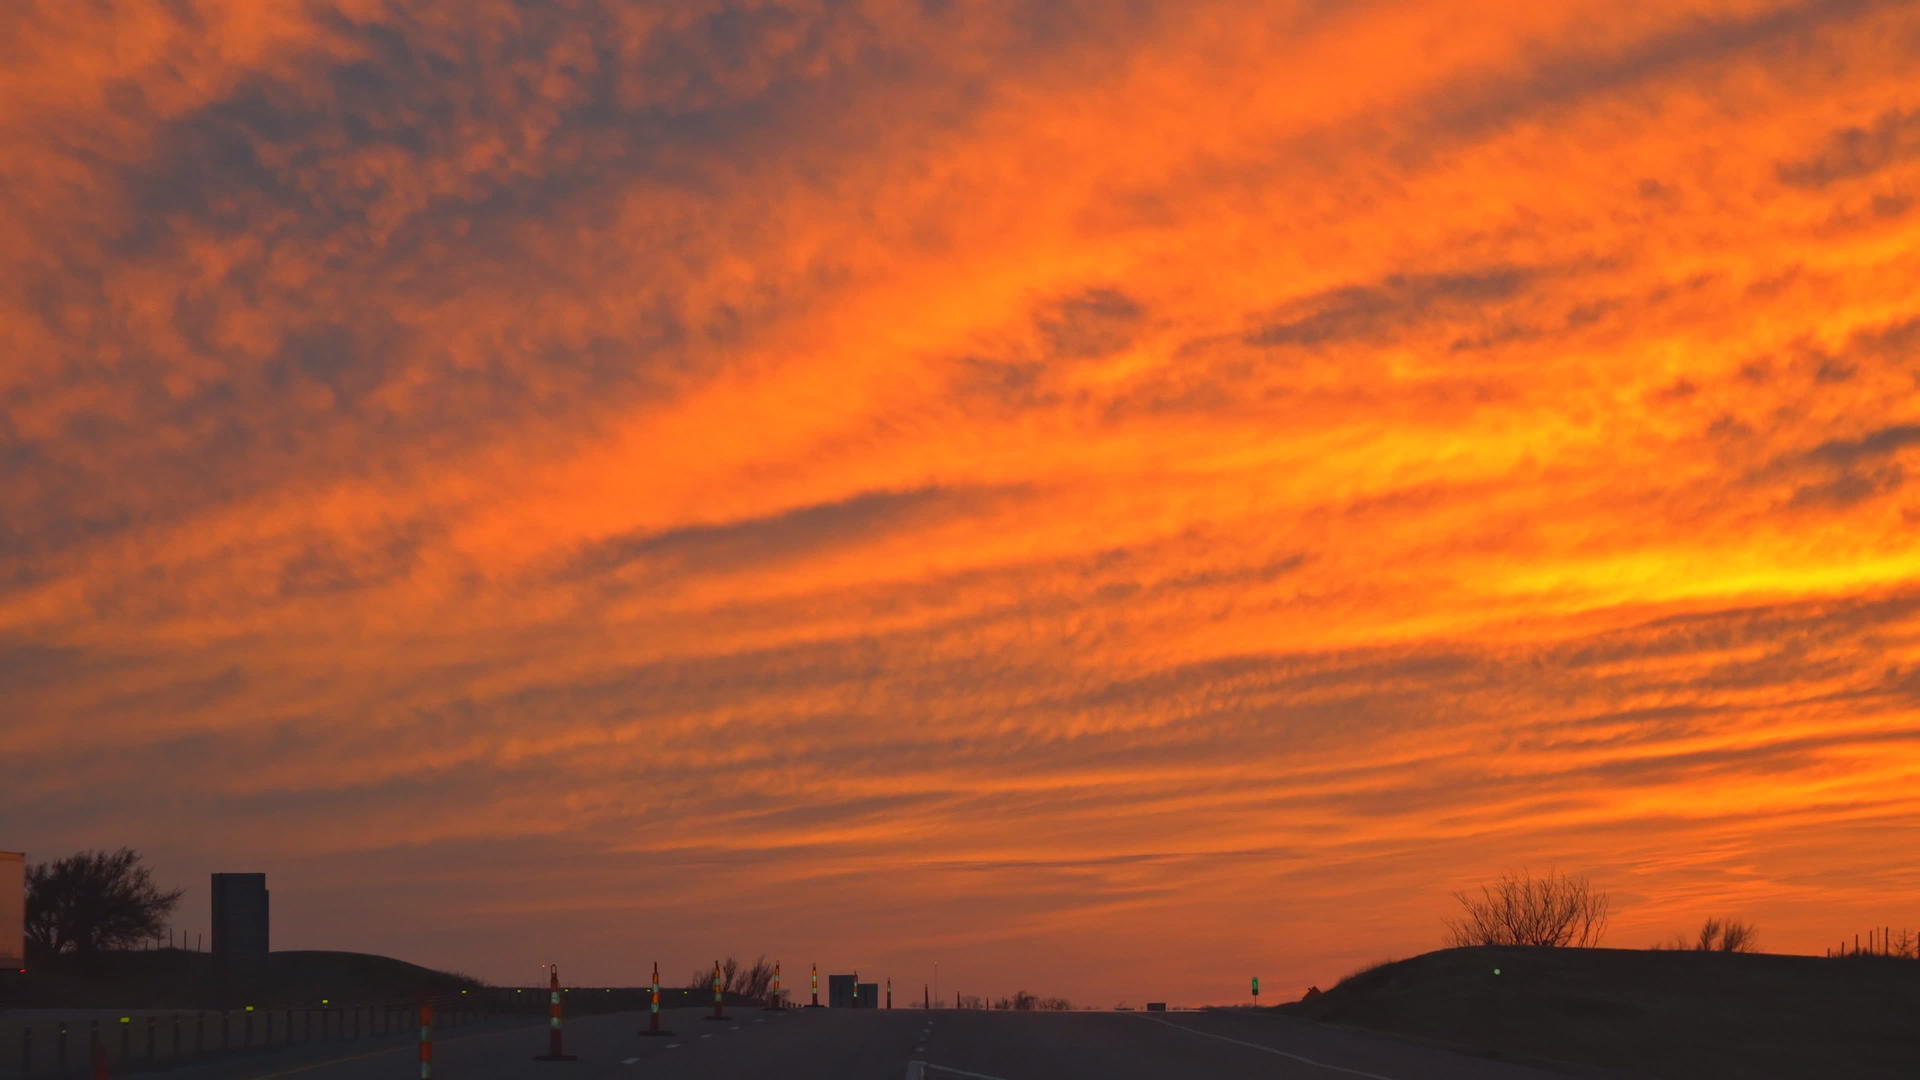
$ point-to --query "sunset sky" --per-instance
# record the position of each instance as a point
(1111, 497)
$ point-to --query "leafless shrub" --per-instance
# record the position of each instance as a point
(1709, 933)
(1737, 936)
(1719, 935)
(1557, 910)
(1715, 935)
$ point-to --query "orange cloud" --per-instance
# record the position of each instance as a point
(975, 479)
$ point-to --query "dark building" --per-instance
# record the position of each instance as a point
(869, 997)
(240, 915)
(840, 991)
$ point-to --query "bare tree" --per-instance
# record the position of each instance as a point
(1709, 933)
(1729, 935)
(755, 983)
(743, 983)
(94, 900)
(1557, 910)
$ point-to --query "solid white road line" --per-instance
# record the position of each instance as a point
(949, 1071)
(1268, 1049)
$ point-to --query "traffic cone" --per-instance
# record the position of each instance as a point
(653, 1021)
(719, 1001)
(555, 1052)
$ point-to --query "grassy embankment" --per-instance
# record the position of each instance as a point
(1651, 1013)
(178, 979)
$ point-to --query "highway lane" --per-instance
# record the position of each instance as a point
(1032, 1046)
(828, 1044)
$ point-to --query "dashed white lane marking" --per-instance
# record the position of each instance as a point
(673, 1046)
(733, 1027)
(1267, 1049)
(708, 1035)
(761, 1020)
(628, 1061)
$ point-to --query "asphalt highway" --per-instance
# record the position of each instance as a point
(838, 1044)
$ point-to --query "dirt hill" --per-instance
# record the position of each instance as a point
(176, 979)
(1645, 1013)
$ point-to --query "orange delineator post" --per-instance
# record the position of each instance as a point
(816, 987)
(718, 1012)
(775, 1003)
(554, 1049)
(653, 1021)
(426, 1041)
(99, 1060)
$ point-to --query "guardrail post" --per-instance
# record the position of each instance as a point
(426, 1040)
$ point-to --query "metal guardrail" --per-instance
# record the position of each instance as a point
(137, 1042)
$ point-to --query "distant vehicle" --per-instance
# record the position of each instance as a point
(1123, 1008)
(1156, 1006)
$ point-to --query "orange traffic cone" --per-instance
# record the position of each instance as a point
(554, 1049)
(653, 1024)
